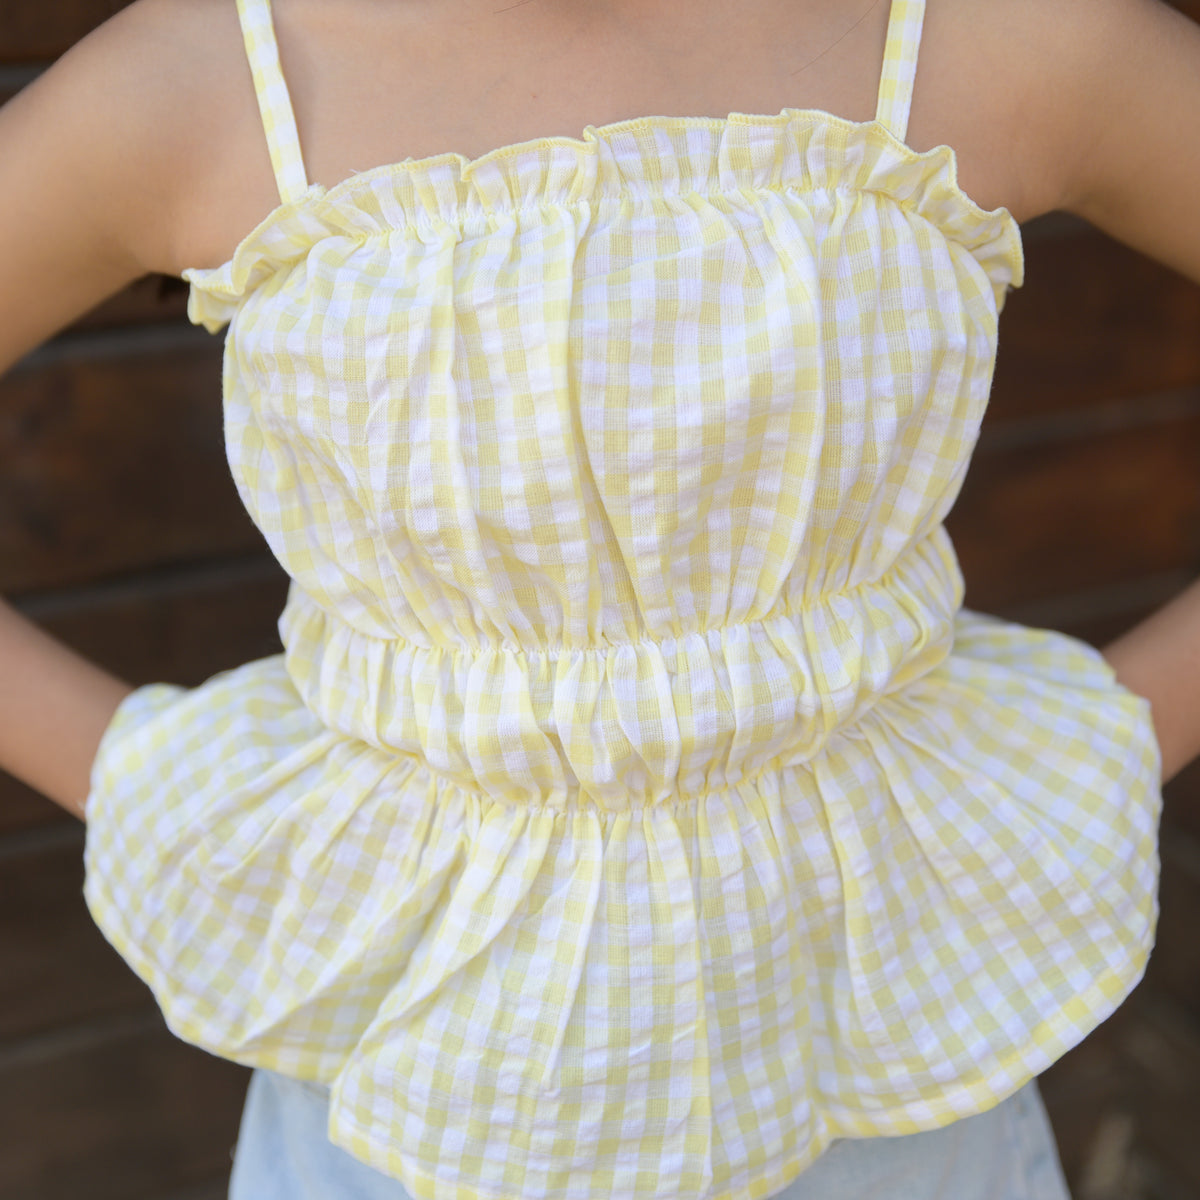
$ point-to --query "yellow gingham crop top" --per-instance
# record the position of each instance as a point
(634, 808)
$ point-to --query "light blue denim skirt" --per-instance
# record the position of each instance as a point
(1007, 1153)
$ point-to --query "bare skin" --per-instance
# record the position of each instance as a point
(543, 69)
(142, 150)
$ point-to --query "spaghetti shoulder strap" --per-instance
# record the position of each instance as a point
(274, 102)
(900, 65)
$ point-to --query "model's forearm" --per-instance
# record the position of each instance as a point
(54, 707)
(1160, 659)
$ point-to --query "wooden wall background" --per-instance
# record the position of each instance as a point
(121, 532)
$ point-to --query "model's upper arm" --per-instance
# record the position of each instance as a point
(94, 157)
(1114, 90)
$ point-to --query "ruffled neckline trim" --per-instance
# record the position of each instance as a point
(803, 149)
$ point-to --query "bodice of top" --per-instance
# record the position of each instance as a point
(547, 397)
(634, 807)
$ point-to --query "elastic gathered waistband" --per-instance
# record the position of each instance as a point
(631, 723)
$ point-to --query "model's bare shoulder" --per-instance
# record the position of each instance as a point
(146, 108)
(974, 93)
(1098, 111)
(1130, 127)
(1053, 58)
(100, 154)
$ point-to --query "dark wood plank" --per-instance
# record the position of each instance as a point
(1182, 812)
(119, 1111)
(1095, 321)
(22, 808)
(14, 78)
(43, 31)
(1100, 614)
(1175, 963)
(112, 458)
(179, 628)
(1101, 501)
(58, 967)
(153, 300)
(214, 1189)
(1125, 1105)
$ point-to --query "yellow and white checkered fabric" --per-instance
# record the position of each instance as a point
(900, 65)
(274, 101)
(635, 808)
